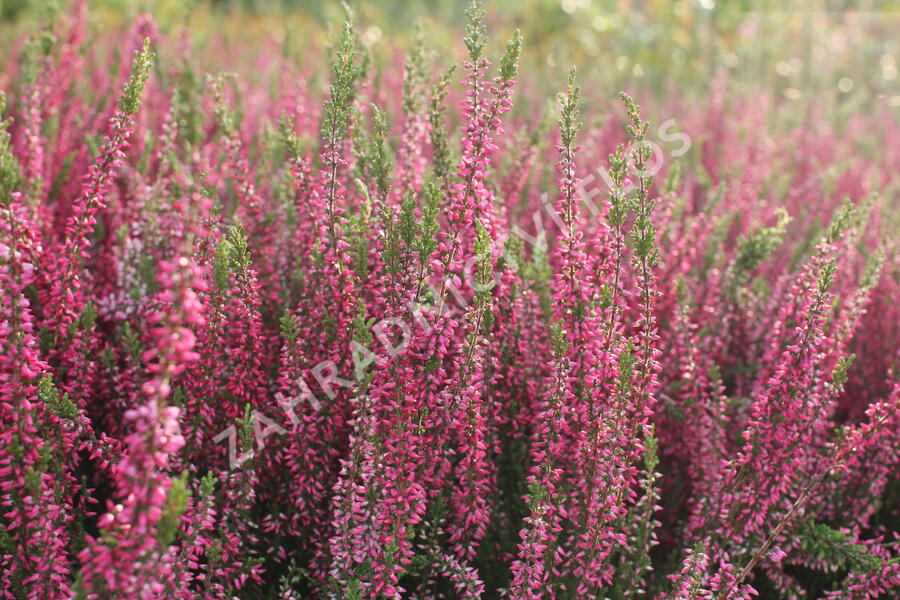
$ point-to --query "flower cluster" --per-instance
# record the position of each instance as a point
(260, 344)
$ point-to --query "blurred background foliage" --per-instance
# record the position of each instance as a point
(837, 53)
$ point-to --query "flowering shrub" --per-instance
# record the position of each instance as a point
(255, 345)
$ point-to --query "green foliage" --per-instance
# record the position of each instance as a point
(85, 322)
(373, 154)
(130, 100)
(176, 502)
(756, 247)
(362, 339)
(539, 273)
(88, 317)
(476, 32)
(9, 547)
(39, 46)
(290, 329)
(415, 73)
(399, 234)
(59, 404)
(569, 123)
(636, 558)
(9, 166)
(627, 361)
(431, 207)
(559, 341)
(843, 218)
(208, 487)
(436, 117)
(62, 176)
(245, 431)
(379, 153)
(483, 266)
(357, 234)
(393, 248)
(221, 266)
(696, 573)
(345, 72)
(225, 117)
(826, 277)
(834, 548)
(289, 138)
(186, 105)
(509, 62)
(232, 257)
(839, 375)
(618, 201)
(642, 231)
(407, 224)
(673, 178)
(872, 271)
(132, 342)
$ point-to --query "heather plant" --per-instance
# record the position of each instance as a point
(356, 326)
